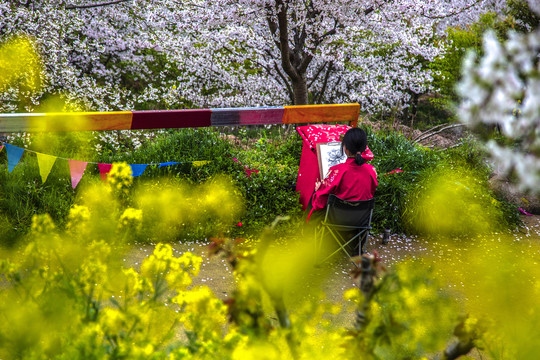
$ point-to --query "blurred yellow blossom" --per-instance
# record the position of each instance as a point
(452, 203)
(78, 216)
(131, 218)
(42, 224)
(112, 321)
(20, 65)
(120, 177)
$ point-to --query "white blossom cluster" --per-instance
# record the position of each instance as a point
(377, 58)
(122, 140)
(221, 53)
(87, 52)
(502, 89)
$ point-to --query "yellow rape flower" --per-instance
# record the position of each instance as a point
(258, 350)
(20, 65)
(410, 298)
(78, 214)
(163, 251)
(112, 321)
(92, 275)
(120, 176)
(42, 224)
(202, 311)
(131, 218)
(134, 283)
(190, 263)
(153, 266)
(353, 295)
(178, 280)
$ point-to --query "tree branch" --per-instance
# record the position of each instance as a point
(300, 40)
(73, 6)
(284, 41)
(431, 133)
(272, 25)
(328, 33)
(317, 73)
(465, 8)
(287, 85)
(302, 67)
(325, 82)
(335, 93)
(434, 128)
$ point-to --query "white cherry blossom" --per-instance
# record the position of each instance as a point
(168, 53)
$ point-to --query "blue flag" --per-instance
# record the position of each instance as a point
(168, 163)
(14, 154)
(137, 169)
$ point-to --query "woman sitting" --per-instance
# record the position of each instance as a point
(352, 180)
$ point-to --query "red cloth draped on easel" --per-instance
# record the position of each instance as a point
(308, 172)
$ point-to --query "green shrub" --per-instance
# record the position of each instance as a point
(393, 151)
(22, 195)
(271, 191)
(261, 162)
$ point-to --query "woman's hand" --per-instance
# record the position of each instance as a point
(317, 185)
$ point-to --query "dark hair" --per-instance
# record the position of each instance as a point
(355, 140)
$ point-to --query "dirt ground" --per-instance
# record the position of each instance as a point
(216, 272)
(334, 277)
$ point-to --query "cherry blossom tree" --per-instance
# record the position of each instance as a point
(99, 58)
(133, 54)
(266, 52)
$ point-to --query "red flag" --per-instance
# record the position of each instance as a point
(104, 170)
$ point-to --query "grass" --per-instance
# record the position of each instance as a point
(273, 152)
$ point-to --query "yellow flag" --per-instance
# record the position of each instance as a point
(45, 163)
(200, 163)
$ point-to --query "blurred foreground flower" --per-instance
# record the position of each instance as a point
(20, 65)
(452, 202)
(120, 177)
(42, 224)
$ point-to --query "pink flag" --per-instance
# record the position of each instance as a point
(104, 170)
(76, 168)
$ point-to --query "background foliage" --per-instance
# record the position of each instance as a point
(261, 162)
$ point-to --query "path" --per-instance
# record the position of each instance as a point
(216, 273)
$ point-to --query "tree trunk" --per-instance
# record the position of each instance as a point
(300, 90)
(414, 109)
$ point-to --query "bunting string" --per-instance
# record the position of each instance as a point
(77, 167)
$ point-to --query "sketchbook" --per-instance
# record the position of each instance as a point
(329, 154)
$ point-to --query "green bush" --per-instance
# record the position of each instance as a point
(271, 191)
(22, 195)
(397, 191)
(393, 151)
(261, 162)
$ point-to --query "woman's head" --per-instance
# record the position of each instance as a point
(355, 141)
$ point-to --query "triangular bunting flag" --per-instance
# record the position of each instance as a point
(14, 154)
(200, 163)
(104, 170)
(45, 163)
(168, 163)
(137, 169)
(76, 168)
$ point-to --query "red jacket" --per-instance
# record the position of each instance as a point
(347, 181)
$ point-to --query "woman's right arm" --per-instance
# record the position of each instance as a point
(326, 187)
